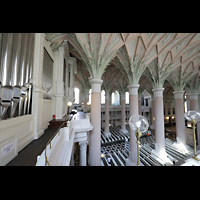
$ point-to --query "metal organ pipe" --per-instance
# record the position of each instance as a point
(5, 69)
(16, 64)
(26, 72)
(15, 76)
(5, 73)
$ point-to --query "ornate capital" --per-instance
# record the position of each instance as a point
(83, 145)
(178, 94)
(158, 92)
(96, 85)
(107, 96)
(122, 97)
(133, 89)
(193, 96)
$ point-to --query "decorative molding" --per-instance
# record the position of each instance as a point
(122, 97)
(193, 96)
(158, 92)
(178, 94)
(133, 89)
(107, 96)
(83, 145)
(96, 85)
(86, 95)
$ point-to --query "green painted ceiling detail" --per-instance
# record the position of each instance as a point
(166, 39)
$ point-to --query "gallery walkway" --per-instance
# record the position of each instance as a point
(28, 155)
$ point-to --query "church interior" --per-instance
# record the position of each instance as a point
(99, 99)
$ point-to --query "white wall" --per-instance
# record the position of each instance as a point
(15, 134)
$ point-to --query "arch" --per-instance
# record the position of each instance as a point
(127, 97)
(76, 95)
(115, 98)
(102, 96)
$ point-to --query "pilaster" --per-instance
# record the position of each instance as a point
(38, 92)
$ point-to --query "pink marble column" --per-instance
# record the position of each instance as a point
(180, 120)
(139, 104)
(159, 121)
(152, 126)
(95, 116)
(107, 101)
(86, 96)
(194, 101)
(133, 110)
(123, 125)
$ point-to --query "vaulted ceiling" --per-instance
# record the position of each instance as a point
(180, 49)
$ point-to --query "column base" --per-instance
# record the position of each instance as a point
(130, 161)
(107, 134)
(124, 131)
(181, 146)
(162, 155)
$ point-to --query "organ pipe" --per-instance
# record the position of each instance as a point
(16, 65)
(5, 69)
(16, 59)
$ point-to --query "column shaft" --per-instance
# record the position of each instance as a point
(83, 153)
(123, 125)
(152, 114)
(194, 101)
(95, 116)
(159, 120)
(180, 121)
(106, 114)
(133, 110)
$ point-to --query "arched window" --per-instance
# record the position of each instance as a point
(127, 97)
(103, 97)
(77, 95)
(115, 98)
(90, 96)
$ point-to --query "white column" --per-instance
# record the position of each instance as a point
(83, 153)
(133, 110)
(95, 116)
(159, 122)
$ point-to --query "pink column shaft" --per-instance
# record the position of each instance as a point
(106, 115)
(85, 103)
(152, 113)
(133, 110)
(180, 121)
(139, 107)
(95, 135)
(159, 123)
(194, 104)
(123, 125)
